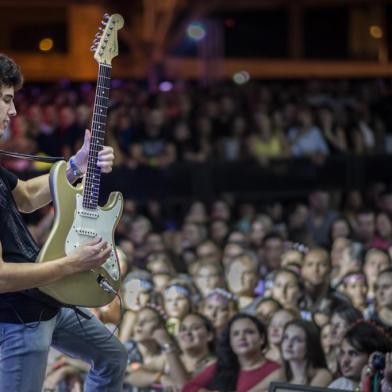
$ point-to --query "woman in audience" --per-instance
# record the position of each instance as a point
(219, 306)
(275, 333)
(146, 359)
(303, 355)
(177, 299)
(287, 288)
(340, 228)
(241, 364)
(137, 292)
(196, 339)
(354, 285)
(208, 276)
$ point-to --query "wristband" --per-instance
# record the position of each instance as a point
(75, 169)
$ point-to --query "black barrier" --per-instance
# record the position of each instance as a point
(247, 180)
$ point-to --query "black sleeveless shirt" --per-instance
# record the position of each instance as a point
(18, 247)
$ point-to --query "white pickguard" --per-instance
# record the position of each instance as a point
(87, 225)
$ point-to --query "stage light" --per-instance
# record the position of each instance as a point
(241, 77)
(196, 31)
(376, 32)
(46, 44)
(165, 86)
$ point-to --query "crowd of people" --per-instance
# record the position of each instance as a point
(259, 121)
(225, 302)
(234, 296)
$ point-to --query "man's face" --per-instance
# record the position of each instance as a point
(273, 249)
(7, 107)
(315, 268)
(366, 226)
(351, 361)
(242, 277)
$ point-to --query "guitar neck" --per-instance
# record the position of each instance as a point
(98, 128)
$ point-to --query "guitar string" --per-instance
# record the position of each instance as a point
(92, 180)
(90, 196)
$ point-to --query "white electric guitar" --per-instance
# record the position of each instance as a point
(78, 218)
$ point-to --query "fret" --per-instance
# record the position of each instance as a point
(99, 118)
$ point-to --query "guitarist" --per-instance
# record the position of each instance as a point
(29, 327)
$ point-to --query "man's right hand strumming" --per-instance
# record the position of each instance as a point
(21, 276)
(89, 255)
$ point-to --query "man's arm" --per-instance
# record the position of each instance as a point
(22, 276)
(35, 193)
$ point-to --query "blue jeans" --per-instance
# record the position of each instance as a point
(24, 352)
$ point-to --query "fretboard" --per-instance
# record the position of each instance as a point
(98, 127)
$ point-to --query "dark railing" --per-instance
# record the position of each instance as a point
(246, 180)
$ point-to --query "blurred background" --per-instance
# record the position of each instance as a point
(255, 100)
(266, 38)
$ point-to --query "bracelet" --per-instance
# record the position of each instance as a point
(75, 169)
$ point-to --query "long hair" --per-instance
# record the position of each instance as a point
(227, 364)
(314, 353)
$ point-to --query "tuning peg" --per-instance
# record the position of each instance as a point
(106, 17)
(93, 48)
(98, 36)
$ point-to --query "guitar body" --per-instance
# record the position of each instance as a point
(74, 225)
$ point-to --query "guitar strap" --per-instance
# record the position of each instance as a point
(29, 157)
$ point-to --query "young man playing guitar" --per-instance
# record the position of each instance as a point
(29, 326)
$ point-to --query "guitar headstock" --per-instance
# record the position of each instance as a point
(105, 46)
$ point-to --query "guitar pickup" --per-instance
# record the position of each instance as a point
(88, 214)
(87, 233)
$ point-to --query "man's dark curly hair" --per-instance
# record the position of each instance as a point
(10, 74)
